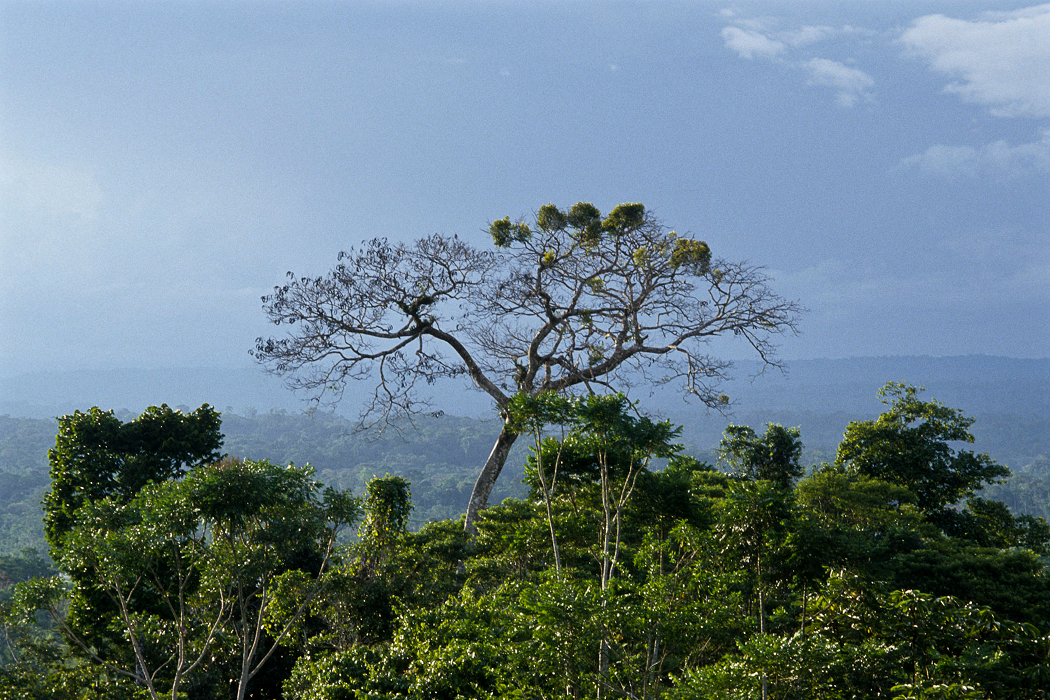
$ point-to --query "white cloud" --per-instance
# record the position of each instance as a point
(852, 84)
(809, 34)
(748, 43)
(1001, 61)
(755, 38)
(970, 161)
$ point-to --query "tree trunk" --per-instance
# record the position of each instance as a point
(487, 478)
(762, 624)
(802, 626)
(547, 500)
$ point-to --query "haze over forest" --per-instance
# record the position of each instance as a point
(263, 419)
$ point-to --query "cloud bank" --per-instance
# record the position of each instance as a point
(970, 161)
(1001, 61)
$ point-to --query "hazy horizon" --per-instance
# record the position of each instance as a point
(975, 384)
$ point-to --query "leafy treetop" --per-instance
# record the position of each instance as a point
(97, 455)
(910, 445)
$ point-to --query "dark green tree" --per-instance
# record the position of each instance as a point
(773, 457)
(910, 445)
(753, 521)
(97, 455)
(853, 523)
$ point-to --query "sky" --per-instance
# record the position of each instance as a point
(163, 164)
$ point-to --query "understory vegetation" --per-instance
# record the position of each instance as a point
(627, 569)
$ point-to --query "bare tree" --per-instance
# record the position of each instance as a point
(573, 300)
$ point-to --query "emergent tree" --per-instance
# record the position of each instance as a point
(577, 299)
(910, 445)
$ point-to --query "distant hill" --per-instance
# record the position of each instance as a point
(440, 457)
(975, 383)
(1010, 399)
(50, 394)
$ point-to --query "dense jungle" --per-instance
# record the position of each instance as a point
(623, 568)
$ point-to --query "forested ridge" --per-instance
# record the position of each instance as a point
(439, 454)
(623, 568)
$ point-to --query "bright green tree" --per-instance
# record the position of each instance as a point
(532, 415)
(388, 503)
(230, 559)
(621, 447)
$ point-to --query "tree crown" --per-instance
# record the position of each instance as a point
(572, 298)
(910, 445)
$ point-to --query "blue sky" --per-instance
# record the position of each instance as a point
(163, 164)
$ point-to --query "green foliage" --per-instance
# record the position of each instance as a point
(624, 217)
(675, 494)
(610, 581)
(753, 521)
(189, 572)
(504, 232)
(27, 564)
(751, 515)
(1013, 582)
(533, 413)
(604, 425)
(586, 222)
(694, 256)
(438, 455)
(387, 505)
(359, 605)
(73, 681)
(549, 218)
(908, 445)
(857, 501)
(861, 643)
(989, 523)
(96, 455)
(773, 457)
(791, 666)
(452, 651)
